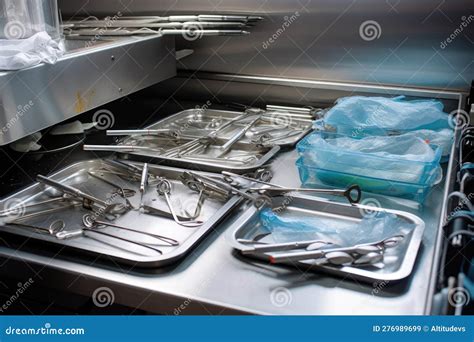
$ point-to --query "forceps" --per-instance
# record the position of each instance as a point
(164, 188)
(88, 201)
(353, 251)
(21, 209)
(80, 232)
(90, 222)
(54, 228)
(124, 192)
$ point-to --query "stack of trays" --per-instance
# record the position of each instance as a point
(387, 174)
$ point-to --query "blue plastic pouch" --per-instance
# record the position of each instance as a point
(288, 227)
(361, 115)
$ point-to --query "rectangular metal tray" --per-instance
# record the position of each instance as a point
(248, 226)
(196, 123)
(76, 175)
(263, 155)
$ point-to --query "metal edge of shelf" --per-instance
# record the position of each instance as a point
(327, 85)
(437, 257)
(83, 79)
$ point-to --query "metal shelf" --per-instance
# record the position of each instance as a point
(90, 74)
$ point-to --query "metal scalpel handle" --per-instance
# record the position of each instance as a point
(163, 131)
(228, 145)
(117, 148)
(143, 183)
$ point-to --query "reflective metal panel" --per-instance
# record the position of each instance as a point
(426, 43)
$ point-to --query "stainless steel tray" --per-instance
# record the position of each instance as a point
(262, 155)
(402, 257)
(198, 122)
(91, 243)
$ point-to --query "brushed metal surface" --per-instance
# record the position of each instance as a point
(213, 279)
(214, 275)
(84, 78)
(324, 41)
(213, 88)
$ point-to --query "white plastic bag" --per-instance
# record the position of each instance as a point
(443, 138)
(16, 54)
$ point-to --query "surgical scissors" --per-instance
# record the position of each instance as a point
(357, 250)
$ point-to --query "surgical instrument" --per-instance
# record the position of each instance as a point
(166, 133)
(361, 249)
(121, 148)
(277, 247)
(90, 221)
(124, 192)
(164, 188)
(143, 182)
(52, 229)
(80, 232)
(353, 193)
(124, 20)
(228, 145)
(88, 201)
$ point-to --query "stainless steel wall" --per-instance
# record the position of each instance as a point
(405, 42)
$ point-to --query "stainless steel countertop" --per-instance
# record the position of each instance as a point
(214, 279)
